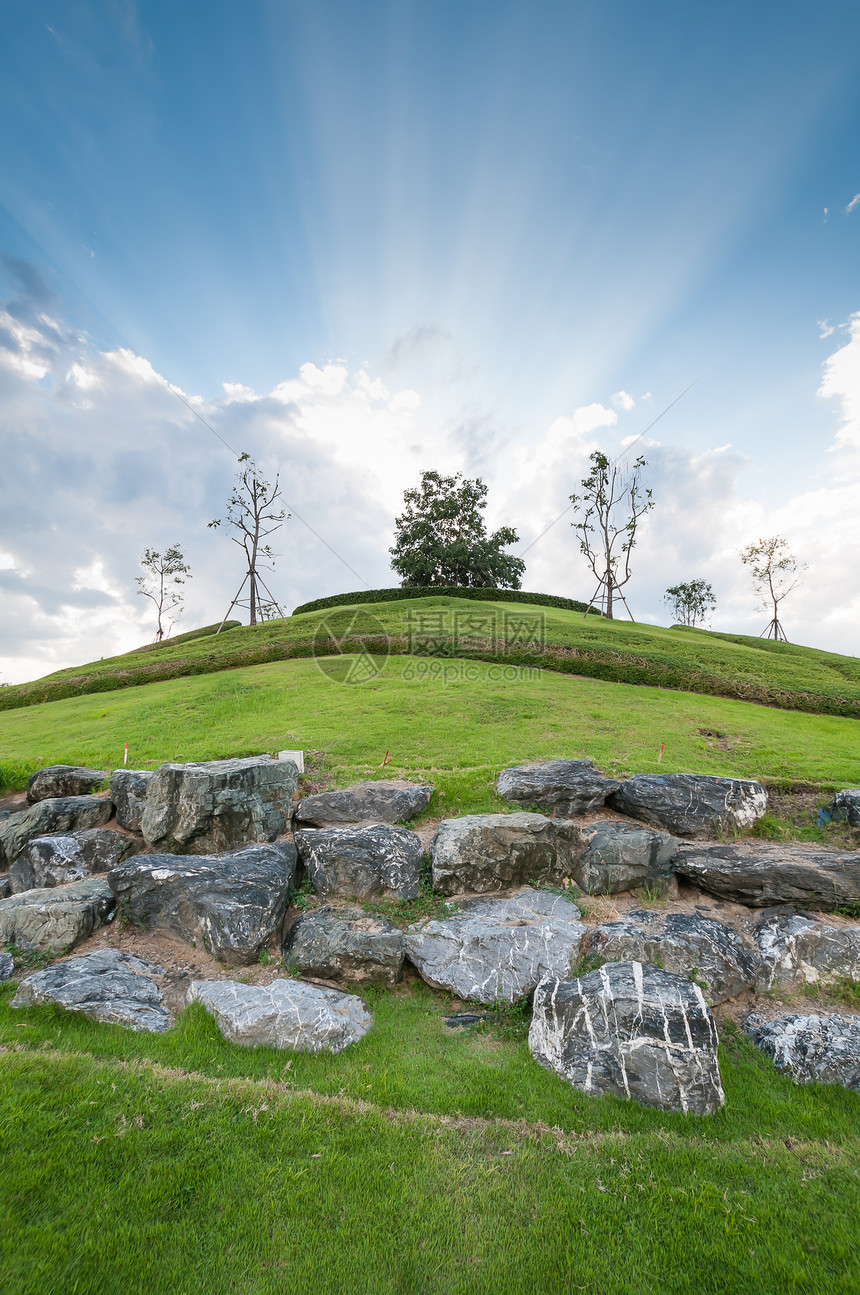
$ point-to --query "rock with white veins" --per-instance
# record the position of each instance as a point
(233, 903)
(560, 787)
(284, 1014)
(697, 947)
(480, 853)
(632, 1031)
(56, 860)
(128, 788)
(497, 949)
(765, 873)
(810, 1048)
(54, 920)
(691, 804)
(48, 817)
(368, 861)
(113, 987)
(63, 780)
(794, 949)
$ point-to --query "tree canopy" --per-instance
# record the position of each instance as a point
(441, 537)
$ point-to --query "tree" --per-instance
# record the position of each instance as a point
(610, 508)
(441, 538)
(253, 514)
(165, 572)
(690, 602)
(775, 572)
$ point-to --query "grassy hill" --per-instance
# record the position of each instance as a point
(566, 642)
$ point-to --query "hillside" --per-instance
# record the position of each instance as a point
(563, 641)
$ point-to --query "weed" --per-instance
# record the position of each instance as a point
(841, 989)
(649, 896)
(304, 896)
(266, 958)
(35, 959)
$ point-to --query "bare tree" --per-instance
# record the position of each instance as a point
(165, 572)
(610, 508)
(253, 514)
(690, 602)
(775, 572)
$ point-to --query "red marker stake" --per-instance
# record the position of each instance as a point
(660, 756)
(125, 756)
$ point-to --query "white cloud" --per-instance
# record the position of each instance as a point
(623, 400)
(841, 382)
(825, 330)
(855, 202)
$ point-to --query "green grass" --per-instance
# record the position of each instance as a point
(758, 670)
(457, 733)
(420, 1159)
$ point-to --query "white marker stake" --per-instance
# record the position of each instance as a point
(125, 756)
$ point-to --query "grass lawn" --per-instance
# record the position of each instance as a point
(457, 722)
(420, 1159)
(751, 669)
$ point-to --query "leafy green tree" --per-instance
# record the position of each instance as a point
(441, 537)
(165, 573)
(690, 602)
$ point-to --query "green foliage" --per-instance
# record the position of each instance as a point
(690, 602)
(423, 591)
(304, 896)
(441, 538)
(841, 989)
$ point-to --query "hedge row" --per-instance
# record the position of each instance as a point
(615, 667)
(443, 591)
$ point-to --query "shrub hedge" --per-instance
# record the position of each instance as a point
(443, 591)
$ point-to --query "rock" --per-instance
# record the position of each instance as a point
(5, 886)
(63, 780)
(764, 873)
(234, 904)
(561, 787)
(47, 817)
(498, 949)
(690, 804)
(107, 985)
(284, 1014)
(810, 1049)
(685, 944)
(346, 944)
(56, 919)
(845, 805)
(374, 861)
(633, 1031)
(794, 948)
(56, 860)
(621, 856)
(481, 853)
(218, 805)
(366, 802)
(7, 966)
(128, 789)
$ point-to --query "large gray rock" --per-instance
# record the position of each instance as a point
(48, 817)
(56, 919)
(7, 966)
(107, 985)
(810, 1049)
(794, 949)
(63, 780)
(217, 805)
(234, 904)
(765, 873)
(498, 949)
(284, 1014)
(346, 944)
(480, 853)
(690, 804)
(128, 789)
(697, 947)
(5, 885)
(560, 787)
(373, 861)
(620, 856)
(845, 806)
(366, 802)
(633, 1031)
(57, 860)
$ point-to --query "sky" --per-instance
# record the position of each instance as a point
(361, 240)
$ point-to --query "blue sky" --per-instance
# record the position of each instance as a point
(514, 211)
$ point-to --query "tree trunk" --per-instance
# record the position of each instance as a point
(609, 585)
